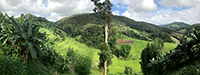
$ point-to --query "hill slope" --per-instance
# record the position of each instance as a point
(62, 41)
(188, 29)
(75, 23)
(175, 25)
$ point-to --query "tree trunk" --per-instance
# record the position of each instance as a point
(106, 40)
(105, 67)
(106, 32)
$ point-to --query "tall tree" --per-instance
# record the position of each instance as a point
(104, 9)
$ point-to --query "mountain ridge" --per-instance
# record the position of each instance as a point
(175, 25)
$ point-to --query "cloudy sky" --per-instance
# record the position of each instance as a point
(152, 11)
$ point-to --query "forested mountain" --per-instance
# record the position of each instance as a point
(76, 23)
(188, 29)
(175, 25)
(38, 20)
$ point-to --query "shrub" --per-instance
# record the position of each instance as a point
(151, 51)
(125, 50)
(81, 64)
(10, 67)
(128, 70)
(18, 67)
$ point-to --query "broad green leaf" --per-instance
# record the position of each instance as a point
(44, 47)
(32, 50)
(39, 50)
(5, 41)
(24, 35)
(38, 39)
(15, 23)
(30, 29)
(21, 19)
(3, 37)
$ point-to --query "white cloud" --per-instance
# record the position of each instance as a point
(116, 12)
(179, 3)
(140, 5)
(56, 8)
(166, 15)
(140, 10)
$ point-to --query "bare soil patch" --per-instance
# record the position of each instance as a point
(123, 41)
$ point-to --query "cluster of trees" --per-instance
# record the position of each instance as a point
(186, 52)
(123, 51)
(151, 51)
(74, 24)
(188, 29)
(25, 50)
(155, 31)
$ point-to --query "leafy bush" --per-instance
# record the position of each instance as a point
(10, 67)
(104, 46)
(151, 51)
(125, 50)
(187, 51)
(105, 55)
(18, 67)
(128, 70)
(82, 64)
(50, 54)
(23, 35)
(8, 51)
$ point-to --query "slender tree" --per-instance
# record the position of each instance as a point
(104, 9)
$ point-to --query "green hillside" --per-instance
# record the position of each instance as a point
(175, 25)
(140, 30)
(188, 29)
(73, 32)
(117, 66)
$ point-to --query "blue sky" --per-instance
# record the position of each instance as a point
(152, 11)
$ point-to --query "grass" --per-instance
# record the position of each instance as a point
(118, 66)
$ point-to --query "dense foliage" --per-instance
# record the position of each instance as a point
(160, 32)
(128, 70)
(186, 52)
(24, 36)
(81, 64)
(188, 29)
(76, 24)
(92, 36)
(21, 40)
(105, 54)
(151, 51)
(175, 25)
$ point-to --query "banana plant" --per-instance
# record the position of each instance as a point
(24, 35)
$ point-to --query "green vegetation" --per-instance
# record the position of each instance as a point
(75, 25)
(188, 29)
(32, 45)
(175, 25)
(150, 52)
(186, 52)
(128, 70)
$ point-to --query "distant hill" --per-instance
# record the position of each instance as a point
(38, 20)
(75, 23)
(78, 24)
(188, 29)
(175, 25)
